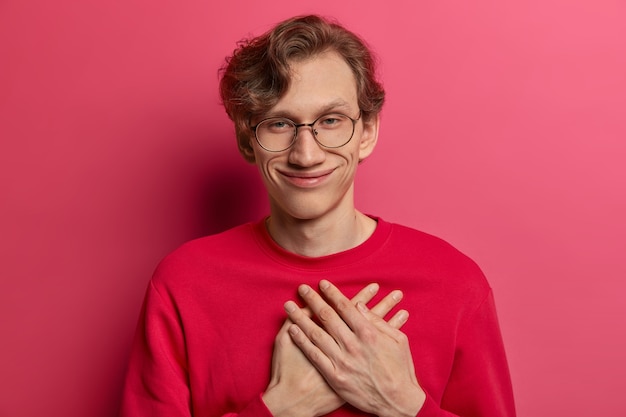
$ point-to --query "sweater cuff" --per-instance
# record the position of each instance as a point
(256, 408)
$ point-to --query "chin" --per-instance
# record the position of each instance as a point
(306, 213)
(303, 210)
(308, 205)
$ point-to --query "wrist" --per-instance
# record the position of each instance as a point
(408, 404)
(282, 405)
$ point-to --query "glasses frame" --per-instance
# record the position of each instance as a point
(299, 125)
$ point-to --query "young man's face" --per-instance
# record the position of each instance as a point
(308, 181)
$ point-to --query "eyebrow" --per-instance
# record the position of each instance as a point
(338, 104)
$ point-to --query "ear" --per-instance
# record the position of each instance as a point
(247, 151)
(369, 137)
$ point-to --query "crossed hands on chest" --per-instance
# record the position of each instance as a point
(336, 350)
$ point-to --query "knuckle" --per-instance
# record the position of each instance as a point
(316, 336)
(354, 350)
(368, 335)
(326, 314)
(278, 345)
(279, 341)
(343, 305)
(341, 379)
(281, 338)
(315, 356)
(284, 341)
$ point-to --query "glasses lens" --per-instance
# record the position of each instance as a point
(276, 134)
(333, 130)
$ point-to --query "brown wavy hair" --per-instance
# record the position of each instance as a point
(257, 75)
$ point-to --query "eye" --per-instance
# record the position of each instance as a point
(277, 125)
(331, 121)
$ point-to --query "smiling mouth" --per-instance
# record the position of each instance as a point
(302, 179)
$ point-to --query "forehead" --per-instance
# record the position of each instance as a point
(323, 82)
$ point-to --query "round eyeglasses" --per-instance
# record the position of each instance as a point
(332, 130)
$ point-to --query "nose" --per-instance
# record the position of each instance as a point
(306, 152)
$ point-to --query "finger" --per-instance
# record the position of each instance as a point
(390, 328)
(325, 341)
(385, 305)
(336, 305)
(329, 315)
(314, 354)
(399, 319)
(366, 294)
(307, 311)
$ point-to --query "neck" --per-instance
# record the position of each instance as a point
(323, 236)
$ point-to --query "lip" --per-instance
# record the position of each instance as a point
(306, 179)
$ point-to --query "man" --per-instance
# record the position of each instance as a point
(215, 338)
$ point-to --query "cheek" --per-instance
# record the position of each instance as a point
(264, 165)
(352, 154)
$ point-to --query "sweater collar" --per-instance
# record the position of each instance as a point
(335, 260)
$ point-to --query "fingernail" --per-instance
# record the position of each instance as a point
(403, 316)
(294, 330)
(303, 289)
(397, 295)
(324, 284)
(374, 288)
(290, 306)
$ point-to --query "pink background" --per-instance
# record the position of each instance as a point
(504, 133)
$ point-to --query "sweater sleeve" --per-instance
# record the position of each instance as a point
(480, 383)
(157, 380)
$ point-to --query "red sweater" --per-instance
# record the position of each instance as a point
(204, 341)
